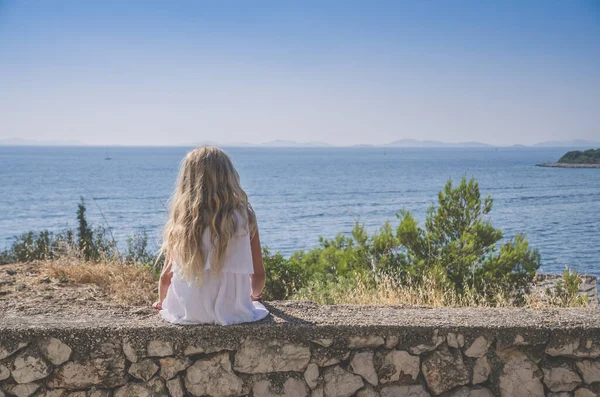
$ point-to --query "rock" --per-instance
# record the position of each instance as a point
(436, 340)
(55, 351)
(129, 351)
(478, 348)
(397, 365)
(263, 356)
(143, 370)
(4, 372)
(566, 349)
(362, 364)
(24, 390)
(6, 352)
(590, 351)
(77, 394)
(29, 368)
(465, 391)
(54, 393)
(404, 391)
(481, 370)
(589, 369)
(175, 388)
(159, 348)
(292, 387)
(108, 350)
(190, 350)
(99, 393)
(520, 375)
(481, 392)
(520, 341)
(311, 375)
(341, 383)
(455, 340)
(214, 377)
(329, 362)
(171, 366)
(157, 387)
(445, 370)
(561, 379)
(358, 342)
(101, 372)
(368, 391)
(317, 392)
(462, 391)
(324, 358)
(584, 393)
(133, 390)
(323, 342)
(391, 341)
(559, 394)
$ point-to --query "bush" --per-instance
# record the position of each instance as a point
(460, 245)
(137, 250)
(284, 278)
(457, 251)
(88, 244)
(566, 293)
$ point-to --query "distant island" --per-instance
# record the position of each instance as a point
(577, 159)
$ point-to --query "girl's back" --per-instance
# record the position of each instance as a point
(223, 298)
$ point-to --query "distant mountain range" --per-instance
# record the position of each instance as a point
(569, 143)
(414, 143)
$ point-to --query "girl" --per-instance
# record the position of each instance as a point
(213, 271)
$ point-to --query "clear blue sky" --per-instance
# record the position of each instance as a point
(345, 72)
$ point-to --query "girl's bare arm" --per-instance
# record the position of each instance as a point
(163, 283)
(258, 278)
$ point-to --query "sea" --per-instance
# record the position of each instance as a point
(301, 194)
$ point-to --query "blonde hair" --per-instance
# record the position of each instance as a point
(207, 195)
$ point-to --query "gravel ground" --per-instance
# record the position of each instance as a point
(29, 300)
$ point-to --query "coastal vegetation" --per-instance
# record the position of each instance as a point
(590, 156)
(455, 258)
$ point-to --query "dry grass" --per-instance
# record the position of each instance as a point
(388, 291)
(128, 284)
(132, 285)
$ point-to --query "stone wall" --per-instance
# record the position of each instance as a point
(301, 359)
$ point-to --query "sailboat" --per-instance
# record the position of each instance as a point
(107, 157)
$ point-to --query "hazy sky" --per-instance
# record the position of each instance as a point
(345, 72)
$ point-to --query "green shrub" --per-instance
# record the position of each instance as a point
(460, 242)
(89, 244)
(284, 278)
(566, 293)
(137, 249)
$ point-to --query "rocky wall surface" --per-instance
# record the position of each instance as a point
(300, 360)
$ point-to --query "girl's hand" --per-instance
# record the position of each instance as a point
(157, 305)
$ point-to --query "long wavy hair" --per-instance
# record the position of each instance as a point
(207, 195)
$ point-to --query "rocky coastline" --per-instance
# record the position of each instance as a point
(566, 165)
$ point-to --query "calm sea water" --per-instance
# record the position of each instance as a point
(300, 194)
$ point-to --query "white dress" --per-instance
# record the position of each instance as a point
(221, 299)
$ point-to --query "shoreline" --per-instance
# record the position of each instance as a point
(566, 165)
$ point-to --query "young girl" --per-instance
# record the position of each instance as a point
(213, 272)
